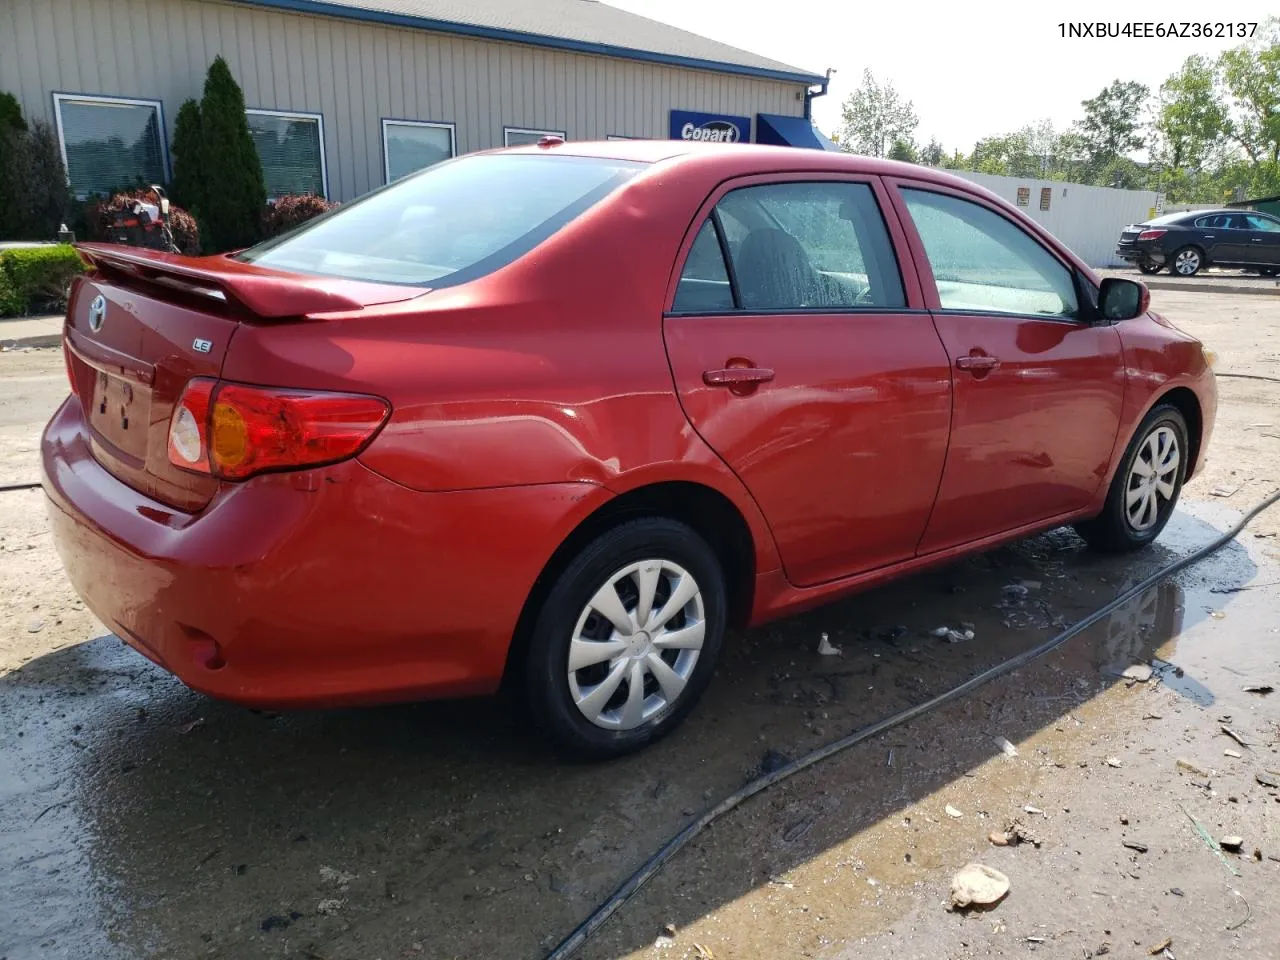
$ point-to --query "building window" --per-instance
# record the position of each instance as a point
(410, 145)
(110, 143)
(291, 148)
(519, 136)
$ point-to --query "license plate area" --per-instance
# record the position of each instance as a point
(120, 414)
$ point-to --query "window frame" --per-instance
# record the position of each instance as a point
(506, 142)
(59, 96)
(300, 115)
(1085, 314)
(899, 246)
(435, 124)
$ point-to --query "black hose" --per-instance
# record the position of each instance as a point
(1249, 376)
(17, 486)
(571, 944)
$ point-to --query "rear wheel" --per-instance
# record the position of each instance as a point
(1146, 486)
(627, 639)
(1187, 262)
(1146, 266)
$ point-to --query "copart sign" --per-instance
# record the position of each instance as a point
(709, 127)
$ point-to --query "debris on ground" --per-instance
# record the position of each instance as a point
(1140, 672)
(1015, 592)
(1135, 845)
(35, 626)
(1224, 491)
(338, 878)
(1234, 754)
(1160, 947)
(999, 838)
(978, 885)
(704, 953)
(953, 812)
(1007, 748)
(330, 907)
(1190, 767)
(1235, 736)
(1034, 811)
(1260, 688)
(669, 930)
(1231, 843)
(1267, 779)
(1207, 839)
(193, 725)
(1016, 832)
(953, 636)
(1113, 762)
(825, 649)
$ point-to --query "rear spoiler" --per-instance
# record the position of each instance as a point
(265, 293)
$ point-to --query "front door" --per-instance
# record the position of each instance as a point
(800, 358)
(1264, 240)
(1038, 389)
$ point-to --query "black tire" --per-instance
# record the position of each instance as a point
(546, 667)
(1147, 267)
(1194, 261)
(1112, 531)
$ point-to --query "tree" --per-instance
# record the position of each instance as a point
(904, 150)
(874, 117)
(932, 155)
(1112, 125)
(42, 199)
(1191, 117)
(234, 191)
(187, 187)
(12, 126)
(1251, 73)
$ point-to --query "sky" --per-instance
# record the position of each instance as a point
(972, 69)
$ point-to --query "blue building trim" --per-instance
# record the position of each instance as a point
(385, 18)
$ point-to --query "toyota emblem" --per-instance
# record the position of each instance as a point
(97, 312)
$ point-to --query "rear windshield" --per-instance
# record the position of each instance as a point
(1167, 218)
(450, 223)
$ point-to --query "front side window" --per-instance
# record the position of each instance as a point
(450, 223)
(521, 136)
(291, 148)
(110, 144)
(1256, 222)
(982, 263)
(410, 146)
(807, 246)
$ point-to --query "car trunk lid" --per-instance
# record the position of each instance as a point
(140, 325)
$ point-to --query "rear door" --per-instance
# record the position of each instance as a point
(1038, 389)
(803, 356)
(1233, 239)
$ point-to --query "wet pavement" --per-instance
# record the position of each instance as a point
(140, 819)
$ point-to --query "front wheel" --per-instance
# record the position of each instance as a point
(627, 639)
(1146, 266)
(1146, 486)
(1187, 262)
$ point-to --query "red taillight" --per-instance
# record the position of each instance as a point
(234, 431)
(1152, 234)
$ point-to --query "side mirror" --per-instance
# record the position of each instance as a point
(1121, 299)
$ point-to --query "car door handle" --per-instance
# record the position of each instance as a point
(978, 364)
(737, 376)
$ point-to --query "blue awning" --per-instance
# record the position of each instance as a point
(786, 131)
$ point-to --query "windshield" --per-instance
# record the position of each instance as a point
(450, 223)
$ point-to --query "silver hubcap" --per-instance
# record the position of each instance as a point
(1152, 478)
(636, 644)
(1188, 262)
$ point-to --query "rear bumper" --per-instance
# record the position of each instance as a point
(318, 587)
(1135, 254)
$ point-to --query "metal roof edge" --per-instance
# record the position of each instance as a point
(386, 17)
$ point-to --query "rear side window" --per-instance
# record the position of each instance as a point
(808, 246)
(451, 223)
(983, 263)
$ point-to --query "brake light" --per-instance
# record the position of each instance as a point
(234, 431)
(1152, 234)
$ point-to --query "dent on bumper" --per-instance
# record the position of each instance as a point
(332, 585)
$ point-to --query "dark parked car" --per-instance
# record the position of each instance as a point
(1186, 243)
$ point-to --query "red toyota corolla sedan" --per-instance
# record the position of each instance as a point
(563, 414)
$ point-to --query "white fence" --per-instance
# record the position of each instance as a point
(1086, 219)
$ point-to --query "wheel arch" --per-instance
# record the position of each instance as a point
(706, 510)
(1185, 401)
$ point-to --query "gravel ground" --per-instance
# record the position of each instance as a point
(140, 819)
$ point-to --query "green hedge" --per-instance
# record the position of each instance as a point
(34, 279)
